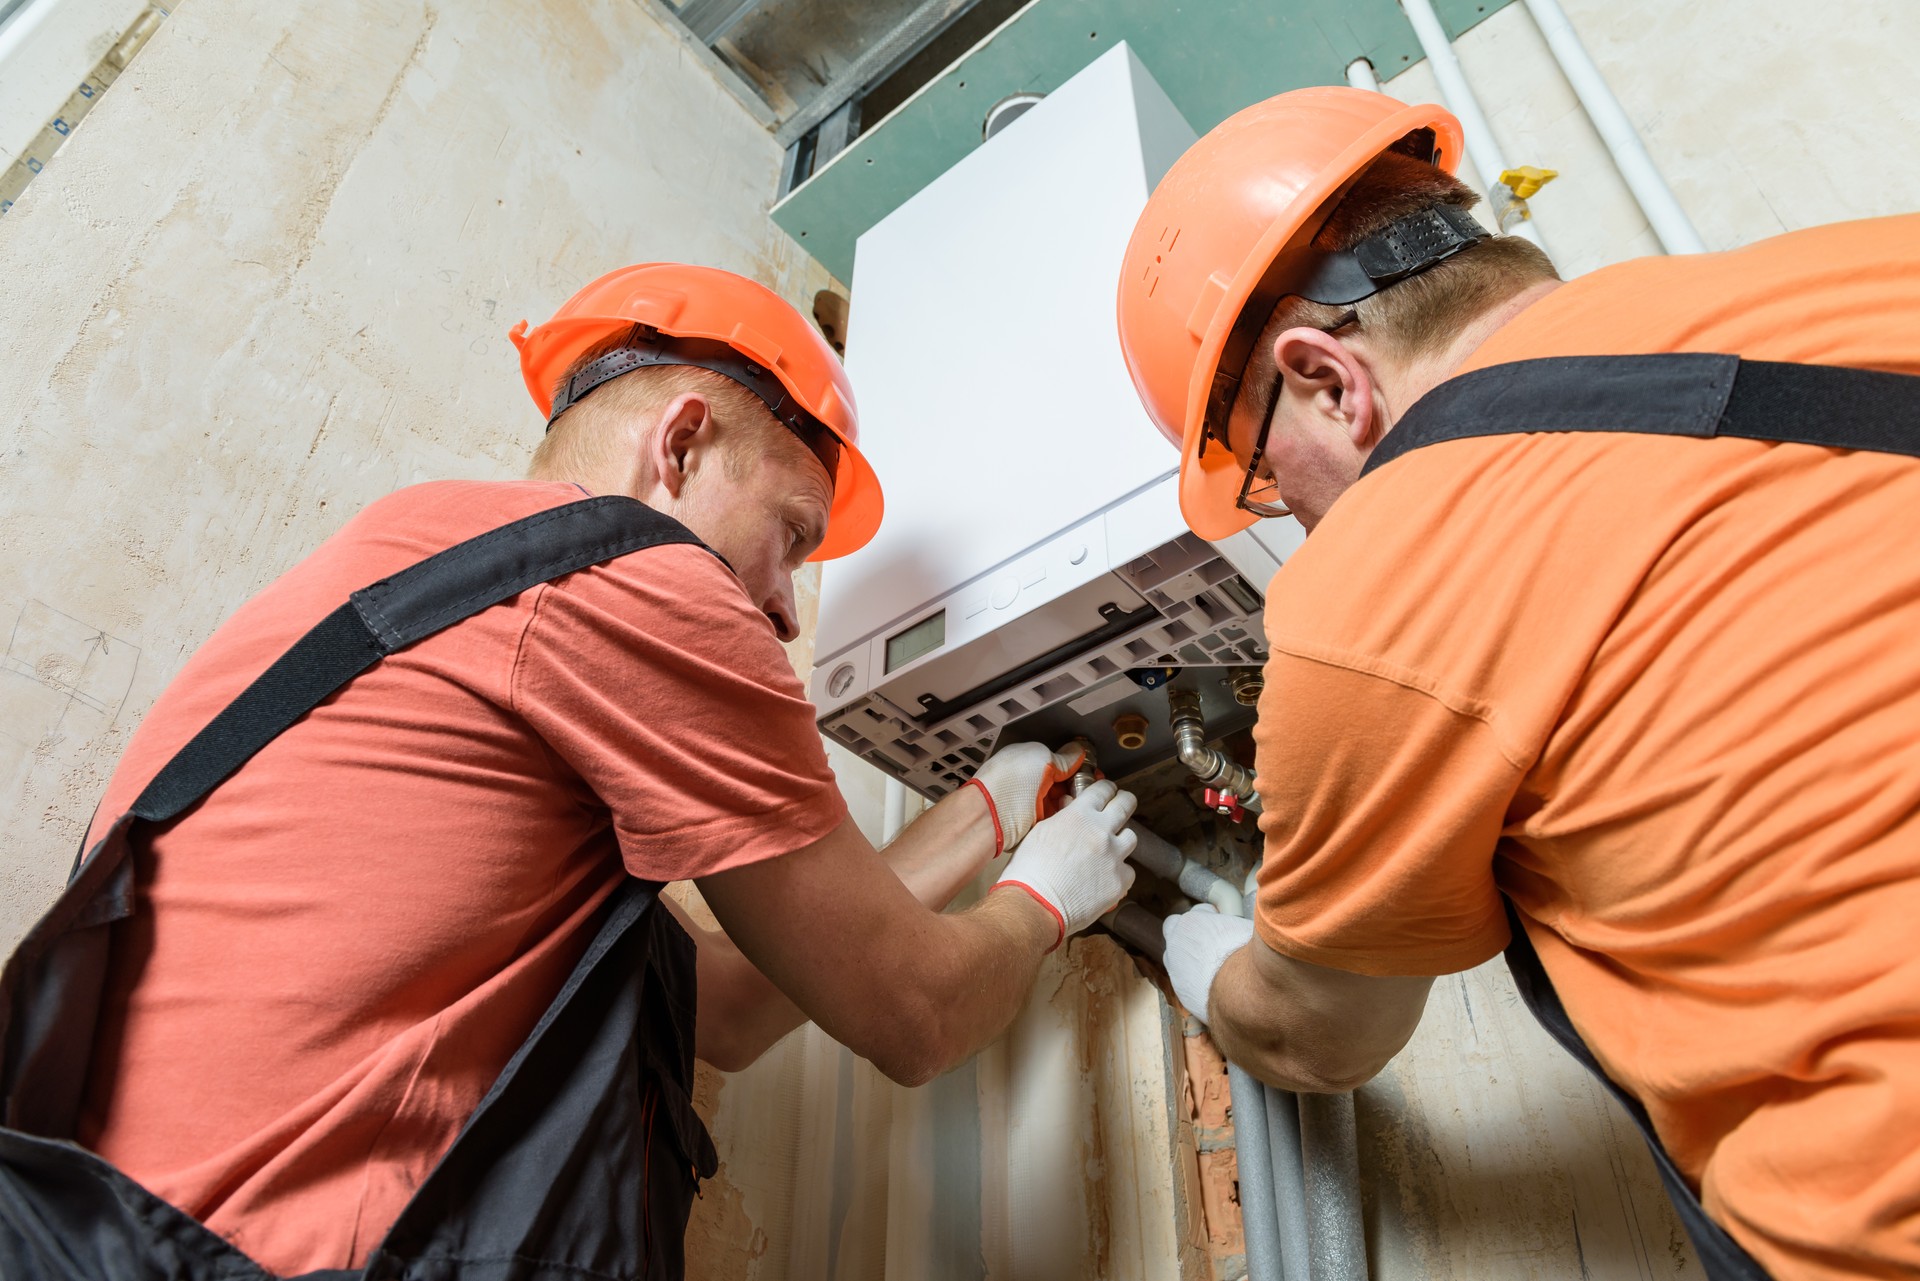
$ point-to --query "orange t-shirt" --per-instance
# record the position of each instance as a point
(1664, 693)
(340, 949)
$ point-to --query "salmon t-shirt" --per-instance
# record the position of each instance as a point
(1665, 694)
(339, 950)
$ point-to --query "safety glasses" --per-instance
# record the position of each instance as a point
(1260, 494)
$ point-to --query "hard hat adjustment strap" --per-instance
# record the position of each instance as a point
(646, 347)
(1405, 247)
(1402, 249)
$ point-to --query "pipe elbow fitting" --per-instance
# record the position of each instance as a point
(1211, 767)
(1190, 734)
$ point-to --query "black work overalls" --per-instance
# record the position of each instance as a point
(1700, 395)
(581, 1162)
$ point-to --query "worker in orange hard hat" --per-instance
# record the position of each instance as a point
(1599, 651)
(367, 965)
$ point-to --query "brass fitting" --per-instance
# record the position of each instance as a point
(1083, 777)
(1130, 731)
(1246, 683)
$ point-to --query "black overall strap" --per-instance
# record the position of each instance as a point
(1673, 394)
(392, 614)
(1723, 1258)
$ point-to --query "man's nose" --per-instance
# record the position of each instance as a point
(780, 607)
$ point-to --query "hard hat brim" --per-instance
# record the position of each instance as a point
(858, 504)
(1210, 482)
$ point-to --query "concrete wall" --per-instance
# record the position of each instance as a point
(269, 279)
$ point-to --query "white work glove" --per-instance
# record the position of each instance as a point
(1199, 942)
(1075, 863)
(1016, 780)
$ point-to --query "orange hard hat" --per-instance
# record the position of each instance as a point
(1222, 239)
(677, 314)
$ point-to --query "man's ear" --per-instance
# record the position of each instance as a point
(1326, 378)
(686, 430)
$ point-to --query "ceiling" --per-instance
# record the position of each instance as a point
(873, 99)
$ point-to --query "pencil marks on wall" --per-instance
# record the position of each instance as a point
(67, 677)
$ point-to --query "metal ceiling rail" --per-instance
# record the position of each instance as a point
(709, 20)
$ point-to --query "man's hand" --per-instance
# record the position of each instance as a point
(1198, 944)
(1016, 780)
(1075, 863)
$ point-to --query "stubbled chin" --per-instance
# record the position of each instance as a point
(1309, 518)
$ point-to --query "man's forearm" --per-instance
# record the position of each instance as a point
(909, 989)
(1246, 1020)
(952, 985)
(742, 1014)
(984, 962)
(945, 848)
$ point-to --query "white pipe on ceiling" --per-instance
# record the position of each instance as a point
(1360, 75)
(1482, 146)
(1643, 177)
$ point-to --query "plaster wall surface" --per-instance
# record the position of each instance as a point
(1764, 115)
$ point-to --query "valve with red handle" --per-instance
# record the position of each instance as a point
(1224, 802)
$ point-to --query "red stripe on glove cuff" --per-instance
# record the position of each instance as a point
(1039, 898)
(999, 837)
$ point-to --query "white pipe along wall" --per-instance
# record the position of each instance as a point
(1668, 219)
(1459, 97)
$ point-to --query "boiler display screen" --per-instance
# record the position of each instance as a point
(925, 636)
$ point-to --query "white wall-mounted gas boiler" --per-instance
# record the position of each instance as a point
(1033, 577)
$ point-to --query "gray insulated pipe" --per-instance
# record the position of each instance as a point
(1214, 768)
(1259, 1219)
(1329, 1147)
(1163, 858)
